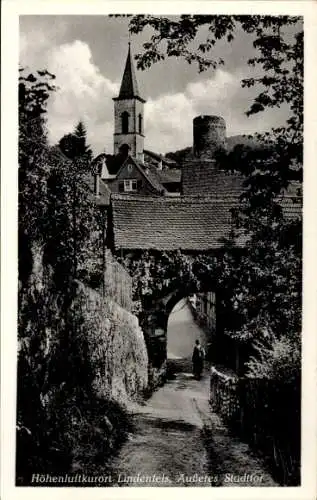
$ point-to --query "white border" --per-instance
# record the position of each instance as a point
(11, 9)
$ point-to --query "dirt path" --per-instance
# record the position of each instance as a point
(178, 441)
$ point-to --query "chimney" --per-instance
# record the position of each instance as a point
(140, 157)
(97, 184)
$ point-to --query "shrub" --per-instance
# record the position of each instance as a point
(276, 359)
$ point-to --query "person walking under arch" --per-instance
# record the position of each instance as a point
(198, 360)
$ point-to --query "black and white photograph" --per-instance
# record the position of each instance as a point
(160, 250)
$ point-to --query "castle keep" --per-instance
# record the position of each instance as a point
(209, 135)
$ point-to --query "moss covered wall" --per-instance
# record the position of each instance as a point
(116, 346)
(77, 337)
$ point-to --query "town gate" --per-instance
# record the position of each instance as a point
(163, 241)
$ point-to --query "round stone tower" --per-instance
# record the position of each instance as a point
(209, 135)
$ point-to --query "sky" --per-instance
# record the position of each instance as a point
(87, 54)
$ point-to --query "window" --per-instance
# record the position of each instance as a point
(140, 123)
(125, 122)
(130, 185)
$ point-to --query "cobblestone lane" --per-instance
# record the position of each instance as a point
(177, 440)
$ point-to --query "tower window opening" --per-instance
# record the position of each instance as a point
(125, 122)
(140, 123)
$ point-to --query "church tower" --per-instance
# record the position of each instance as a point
(129, 114)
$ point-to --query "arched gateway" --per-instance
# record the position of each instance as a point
(163, 241)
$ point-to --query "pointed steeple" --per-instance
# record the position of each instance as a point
(129, 113)
(129, 84)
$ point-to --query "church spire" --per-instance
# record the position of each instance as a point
(129, 84)
(129, 114)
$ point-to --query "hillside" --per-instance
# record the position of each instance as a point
(234, 140)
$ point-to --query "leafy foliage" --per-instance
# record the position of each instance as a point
(59, 241)
(33, 171)
(73, 238)
(75, 144)
(276, 358)
(55, 199)
(261, 287)
(179, 37)
(156, 274)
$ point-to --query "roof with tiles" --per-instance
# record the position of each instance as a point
(158, 157)
(202, 177)
(170, 175)
(152, 174)
(165, 223)
(187, 222)
(104, 192)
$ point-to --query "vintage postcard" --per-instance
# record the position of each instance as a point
(159, 243)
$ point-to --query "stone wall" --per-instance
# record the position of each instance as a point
(116, 346)
(59, 332)
(117, 282)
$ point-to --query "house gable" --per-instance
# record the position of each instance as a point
(132, 178)
(129, 171)
(129, 178)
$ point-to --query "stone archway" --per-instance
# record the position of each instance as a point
(155, 326)
(182, 332)
(160, 281)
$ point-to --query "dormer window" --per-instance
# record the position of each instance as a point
(125, 122)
